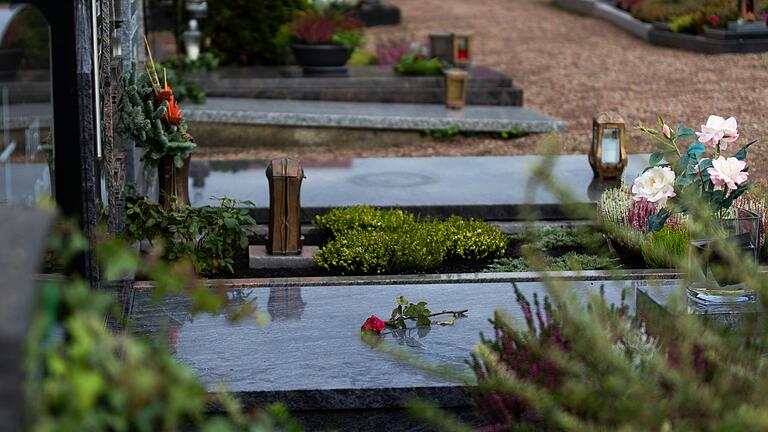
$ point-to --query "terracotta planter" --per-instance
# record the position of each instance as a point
(174, 182)
(322, 60)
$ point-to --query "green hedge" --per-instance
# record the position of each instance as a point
(244, 31)
(371, 241)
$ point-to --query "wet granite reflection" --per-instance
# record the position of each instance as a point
(313, 341)
(285, 303)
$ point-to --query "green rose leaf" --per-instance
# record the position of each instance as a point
(742, 154)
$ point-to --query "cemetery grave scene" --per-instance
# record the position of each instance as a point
(376, 215)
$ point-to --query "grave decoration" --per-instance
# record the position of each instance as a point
(406, 311)
(608, 154)
(456, 88)
(150, 115)
(285, 176)
(452, 48)
(698, 183)
(324, 36)
(462, 49)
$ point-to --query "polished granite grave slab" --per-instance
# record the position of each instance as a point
(378, 83)
(492, 188)
(310, 355)
(368, 115)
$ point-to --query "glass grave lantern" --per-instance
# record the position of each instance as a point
(441, 46)
(192, 39)
(462, 49)
(455, 88)
(608, 154)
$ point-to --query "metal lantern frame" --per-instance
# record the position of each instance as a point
(601, 122)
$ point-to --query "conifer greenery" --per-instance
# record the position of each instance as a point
(142, 118)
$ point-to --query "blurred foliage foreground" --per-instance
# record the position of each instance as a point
(81, 376)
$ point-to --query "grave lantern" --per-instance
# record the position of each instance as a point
(455, 88)
(441, 46)
(284, 176)
(747, 10)
(192, 39)
(608, 154)
(462, 49)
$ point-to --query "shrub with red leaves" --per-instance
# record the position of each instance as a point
(315, 27)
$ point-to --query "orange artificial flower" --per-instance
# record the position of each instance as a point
(164, 94)
(173, 113)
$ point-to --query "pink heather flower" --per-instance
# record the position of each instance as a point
(666, 131)
(728, 172)
(718, 131)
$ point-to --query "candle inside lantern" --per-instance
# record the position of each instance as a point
(462, 53)
(611, 148)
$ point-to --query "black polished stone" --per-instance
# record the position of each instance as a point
(490, 188)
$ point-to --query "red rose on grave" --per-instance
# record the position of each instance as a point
(373, 325)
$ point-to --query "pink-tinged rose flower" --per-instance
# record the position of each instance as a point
(728, 172)
(655, 185)
(714, 19)
(718, 130)
(373, 325)
(666, 131)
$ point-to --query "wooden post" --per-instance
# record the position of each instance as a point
(285, 176)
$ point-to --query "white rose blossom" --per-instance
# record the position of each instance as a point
(718, 131)
(656, 185)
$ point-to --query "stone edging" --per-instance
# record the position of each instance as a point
(645, 31)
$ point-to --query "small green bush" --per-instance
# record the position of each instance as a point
(377, 252)
(571, 261)
(674, 241)
(341, 220)
(362, 57)
(472, 239)
(371, 241)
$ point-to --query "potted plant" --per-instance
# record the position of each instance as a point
(151, 116)
(324, 36)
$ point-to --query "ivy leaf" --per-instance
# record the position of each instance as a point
(402, 301)
(742, 154)
(423, 320)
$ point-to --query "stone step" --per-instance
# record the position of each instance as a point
(490, 188)
(364, 84)
(368, 116)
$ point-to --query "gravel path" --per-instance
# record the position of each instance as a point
(571, 67)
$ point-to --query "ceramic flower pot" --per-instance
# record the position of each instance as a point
(714, 283)
(322, 59)
(173, 182)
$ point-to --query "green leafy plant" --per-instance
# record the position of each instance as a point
(570, 261)
(81, 376)
(205, 235)
(672, 241)
(351, 39)
(244, 32)
(418, 65)
(471, 239)
(362, 57)
(512, 133)
(451, 131)
(366, 240)
(686, 23)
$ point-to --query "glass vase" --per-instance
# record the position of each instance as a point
(715, 285)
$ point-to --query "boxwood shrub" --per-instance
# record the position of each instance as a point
(372, 241)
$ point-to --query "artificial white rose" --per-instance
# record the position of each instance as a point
(655, 185)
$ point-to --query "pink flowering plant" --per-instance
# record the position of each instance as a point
(690, 166)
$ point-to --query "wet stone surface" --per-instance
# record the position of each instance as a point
(493, 188)
(311, 356)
